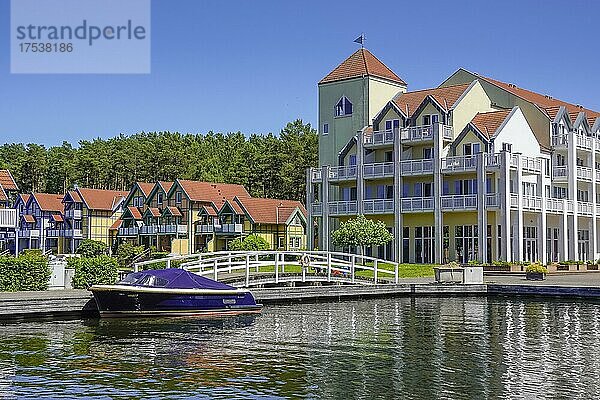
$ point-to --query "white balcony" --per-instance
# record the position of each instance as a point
(584, 173)
(459, 164)
(597, 144)
(555, 205)
(378, 170)
(378, 206)
(379, 138)
(459, 202)
(342, 207)
(342, 173)
(129, 231)
(597, 175)
(492, 200)
(72, 233)
(417, 204)
(229, 228)
(584, 142)
(316, 174)
(317, 208)
(8, 218)
(148, 229)
(492, 160)
(73, 214)
(173, 229)
(54, 233)
(560, 140)
(531, 164)
(585, 208)
(205, 229)
(560, 172)
(532, 203)
(29, 233)
(416, 167)
(425, 133)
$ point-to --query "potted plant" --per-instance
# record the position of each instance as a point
(535, 272)
(592, 266)
(449, 273)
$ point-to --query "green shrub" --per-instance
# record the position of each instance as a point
(250, 243)
(536, 267)
(92, 248)
(126, 252)
(155, 255)
(29, 271)
(101, 270)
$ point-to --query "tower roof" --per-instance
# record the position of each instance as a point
(361, 63)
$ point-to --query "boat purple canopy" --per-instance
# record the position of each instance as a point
(172, 278)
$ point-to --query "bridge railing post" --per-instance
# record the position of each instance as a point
(229, 261)
(375, 270)
(247, 270)
(215, 276)
(256, 259)
(396, 273)
(276, 267)
(352, 267)
(328, 267)
(168, 263)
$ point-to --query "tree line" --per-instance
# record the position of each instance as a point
(267, 165)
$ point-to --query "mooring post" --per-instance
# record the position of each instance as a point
(375, 270)
(352, 267)
(168, 263)
(276, 268)
(328, 267)
(215, 269)
(396, 273)
(229, 261)
(247, 270)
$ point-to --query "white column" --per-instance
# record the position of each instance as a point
(437, 193)
(565, 237)
(481, 208)
(504, 189)
(572, 175)
(593, 230)
(325, 208)
(397, 198)
(541, 182)
(360, 182)
(518, 231)
(309, 200)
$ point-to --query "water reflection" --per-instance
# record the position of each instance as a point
(426, 348)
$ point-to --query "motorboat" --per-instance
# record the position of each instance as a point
(171, 292)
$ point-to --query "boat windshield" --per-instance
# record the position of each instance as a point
(144, 280)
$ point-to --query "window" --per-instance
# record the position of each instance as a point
(428, 189)
(426, 120)
(380, 191)
(389, 156)
(389, 192)
(352, 159)
(159, 198)
(281, 242)
(476, 148)
(178, 197)
(405, 190)
(325, 129)
(405, 244)
(392, 124)
(428, 153)
(343, 107)
(445, 187)
(471, 148)
(507, 147)
(561, 160)
(488, 185)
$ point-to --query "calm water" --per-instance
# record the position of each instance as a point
(456, 348)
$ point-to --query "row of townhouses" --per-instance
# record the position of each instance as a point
(474, 169)
(181, 217)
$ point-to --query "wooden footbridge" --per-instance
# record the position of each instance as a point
(267, 268)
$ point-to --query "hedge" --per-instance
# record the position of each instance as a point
(101, 270)
(29, 271)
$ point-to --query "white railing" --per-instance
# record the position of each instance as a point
(416, 167)
(148, 229)
(584, 142)
(417, 133)
(316, 174)
(532, 203)
(8, 218)
(317, 208)
(342, 207)
(560, 140)
(492, 200)
(73, 214)
(560, 171)
(204, 228)
(342, 172)
(597, 175)
(585, 208)
(570, 206)
(459, 202)
(378, 170)
(412, 204)
(129, 231)
(229, 228)
(597, 144)
(459, 163)
(514, 200)
(26, 233)
(584, 173)
(173, 229)
(492, 160)
(54, 233)
(447, 132)
(380, 137)
(75, 233)
(555, 205)
(378, 206)
(531, 164)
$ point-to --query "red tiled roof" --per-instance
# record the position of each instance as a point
(166, 185)
(116, 225)
(361, 63)
(445, 96)
(99, 199)
(270, 211)
(7, 181)
(29, 218)
(75, 196)
(552, 111)
(135, 212)
(24, 197)
(212, 192)
(49, 201)
(145, 187)
(174, 211)
(57, 218)
(210, 210)
(154, 211)
(489, 122)
(3, 196)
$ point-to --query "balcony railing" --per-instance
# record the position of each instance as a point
(560, 140)
(584, 142)
(532, 203)
(229, 228)
(378, 206)
(459, 163)
(459, 202)
(584, 173)
(148, 229)
(379, 138)
(492, 200)
(585, 208)
(173, 229)
(316, 174)
(342, 207)
(342, 173)
(8, 218)
(417, 133)
(203, 229)
(555, 205)
(560, 171)
(54, 233)
(73, 214)
(492, 160)
(379, 170)
(29, 233)
(531, 164)
(417, 204)
(129, 231)
(317, 208)
(416, 167)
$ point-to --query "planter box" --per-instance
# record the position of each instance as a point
(592, 267)
(473, 274)
(448, 275)
(497, 268)
(561, 267)
(535, 276)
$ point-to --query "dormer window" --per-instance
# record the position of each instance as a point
(159, 198)
(343, 107)
(178, 197)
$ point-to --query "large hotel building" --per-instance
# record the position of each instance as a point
(474, 169)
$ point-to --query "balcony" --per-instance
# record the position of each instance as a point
(492, 200)
(555, 205)
(417, 204)
(72, 233)
(378, 206)
(597, 144)
(342, 173)
(459, 164)
(378, 170)
(172, 229)
(560, 141)
(597, 175)
(416, 167)
(148, 229)
(205, 229)
(73, 214)
(29, 233)
(584, 173)
(560, 173)
(492, 160)
(584, 142)
(129, 231)
(585, 208)
(316, 174)
(425, 133)
(532, 203)
(379, 138)
(528, 164)
(229, 228)
(317, 208)
(8, 218)
(459, 202)
(342, 207)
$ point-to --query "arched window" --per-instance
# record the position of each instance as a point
(343, 107)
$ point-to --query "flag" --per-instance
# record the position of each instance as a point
(360, 40)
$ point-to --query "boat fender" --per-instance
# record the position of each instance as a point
(305, 261)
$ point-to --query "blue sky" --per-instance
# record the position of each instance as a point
(253, 66)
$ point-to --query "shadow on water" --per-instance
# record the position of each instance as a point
(423, 348)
